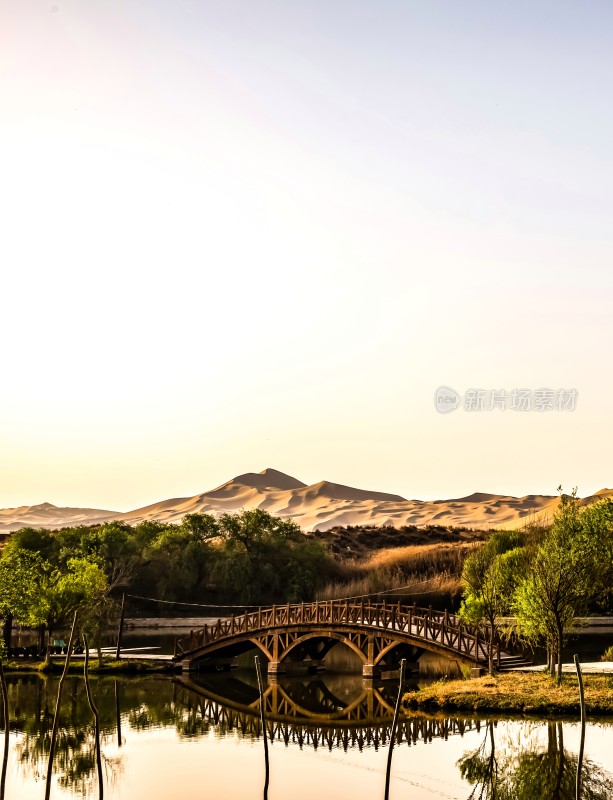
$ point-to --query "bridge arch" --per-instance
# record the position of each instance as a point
(337, 637)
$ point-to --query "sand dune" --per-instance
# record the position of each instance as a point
(318, 506)
(46, 515)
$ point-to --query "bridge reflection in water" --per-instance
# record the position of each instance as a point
(331, 711)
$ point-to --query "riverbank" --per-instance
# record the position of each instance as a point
(529, 694)
(132, 666)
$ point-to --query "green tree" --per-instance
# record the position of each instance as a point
(558, 583)
(489, 576)
(597, 525)
(265, 558)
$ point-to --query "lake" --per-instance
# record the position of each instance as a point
(201, 736)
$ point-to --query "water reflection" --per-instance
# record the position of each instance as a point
(331, 711)
(526, 768)
(339, 714)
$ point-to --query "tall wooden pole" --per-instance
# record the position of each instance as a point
(5, 709)
(56, 716)
(581, 746)
(258, 669)
(94, 708)
(388, 772)
(121, 621)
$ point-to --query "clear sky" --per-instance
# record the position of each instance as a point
(251, 233)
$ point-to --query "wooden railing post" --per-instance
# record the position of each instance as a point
(288, 613)
(232, 624)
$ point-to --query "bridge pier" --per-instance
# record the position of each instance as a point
(276, 668)
(370, 671)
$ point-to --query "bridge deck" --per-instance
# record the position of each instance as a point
(439, 631)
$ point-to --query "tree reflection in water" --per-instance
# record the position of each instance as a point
(513, 761)
(525, 768)
(32, 702)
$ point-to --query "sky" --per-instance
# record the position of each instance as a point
(263, 233)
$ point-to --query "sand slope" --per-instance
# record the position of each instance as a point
(319, 506)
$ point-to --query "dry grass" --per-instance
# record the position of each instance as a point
(528, 693)
(429, 573)
(421, 559)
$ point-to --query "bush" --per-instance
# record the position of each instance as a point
(608, 654)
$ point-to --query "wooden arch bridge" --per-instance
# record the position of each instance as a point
(380, 635)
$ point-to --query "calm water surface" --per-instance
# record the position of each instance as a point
(201, 738)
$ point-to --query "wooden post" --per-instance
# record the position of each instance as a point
(56, 716)
(388, 771)
(232, 624)
(121, 621)
(94, 708)
(582, 744)
(258, 669)
(5, 708)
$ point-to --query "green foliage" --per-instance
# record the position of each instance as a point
(263, 557)
(490, 577)
(251, 557)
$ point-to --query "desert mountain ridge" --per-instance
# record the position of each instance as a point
(319, 506)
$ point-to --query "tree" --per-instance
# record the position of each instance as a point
(265, 558)
(489, 577)
(558, 584)
(181, 557)
(597, 525)
(21, 576)
(41, 595)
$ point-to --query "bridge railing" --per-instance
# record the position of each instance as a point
(440, 627)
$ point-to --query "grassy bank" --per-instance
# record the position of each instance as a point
(109, 666)
(530, 693)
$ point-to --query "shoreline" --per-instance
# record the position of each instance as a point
(526, 694)
(133, 666)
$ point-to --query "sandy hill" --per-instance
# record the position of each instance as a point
(46, 515)
(319, 506)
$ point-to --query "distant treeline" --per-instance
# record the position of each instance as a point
(246, 558)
